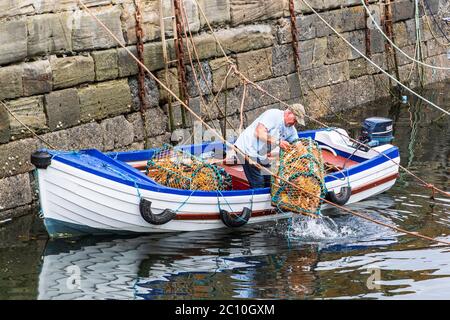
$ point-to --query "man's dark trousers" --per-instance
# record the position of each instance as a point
(255, 177)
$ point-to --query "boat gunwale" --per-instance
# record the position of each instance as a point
(119, 159)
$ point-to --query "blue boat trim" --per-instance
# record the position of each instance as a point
(112, 166)
(58, 229)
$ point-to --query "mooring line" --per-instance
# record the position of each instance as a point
(26, 127)
(394, 45)
(426, 184)
(240, 152)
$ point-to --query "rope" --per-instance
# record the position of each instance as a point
(315, 120)
(26, 127)
(244, 93)
(388, 39)
(429, 25)
(240, 152)
(191, 39)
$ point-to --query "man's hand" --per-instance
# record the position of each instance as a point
(284, 144)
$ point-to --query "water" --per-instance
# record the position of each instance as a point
(339, 256)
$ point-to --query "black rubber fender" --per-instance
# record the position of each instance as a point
(41, 159)
(145, 208)
(235, 220)
(341, 198)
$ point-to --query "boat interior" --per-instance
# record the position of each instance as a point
(332, 161)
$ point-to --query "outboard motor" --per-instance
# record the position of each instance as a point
(376, 131)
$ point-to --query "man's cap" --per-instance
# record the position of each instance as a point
(299, 111)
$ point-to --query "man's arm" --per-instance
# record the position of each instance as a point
(262, 133)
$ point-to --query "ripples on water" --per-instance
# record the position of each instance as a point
(331, 257)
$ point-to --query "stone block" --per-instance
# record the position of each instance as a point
(156, 122)
(402, 10)
(375, 11)
(15, 157)
(217, 11)
(364, 90)
(318, 108)
(283, 60)
(151, 90)
(106, 64)
(205, 82)
(30, 111)
(62, 108)
(5, 131)
(357, 68)
(219, 69)
(171, 83)
(192, 14)
(71, 71)
(376, 42)
(37, 77)
(11, 85)
(256, 65)
(358, 40)
(245, 38)
(380, 60)
(400, 34)
(402, 59)
(105, 99)
(49, 33)
(87, 136)
(15, 191)
(294, 85)
(149, 22)
(13, 46)
(135, 119)
(307, 27)
(244, 11)
(276, 87)
(117, 133)
(88, 35)
(206, 45)
(338, 50)
(327, 75)
(11, 8)
(342, 96)
(126, 64)
(158, 141)
(313, 53)
(153, 55)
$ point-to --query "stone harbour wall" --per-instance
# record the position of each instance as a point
(63, 76)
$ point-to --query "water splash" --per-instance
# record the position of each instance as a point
(321, 228)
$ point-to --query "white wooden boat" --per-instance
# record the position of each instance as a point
(90, 192)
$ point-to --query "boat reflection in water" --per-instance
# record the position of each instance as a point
(186, 266)
(254, 262)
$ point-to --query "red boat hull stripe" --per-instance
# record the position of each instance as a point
(260, 213)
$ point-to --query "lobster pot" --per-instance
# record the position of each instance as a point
(179, 169)
(302, 165)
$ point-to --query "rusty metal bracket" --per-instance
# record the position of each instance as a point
(391, 55)
(368, 40)
(140, 55)
(294, 32)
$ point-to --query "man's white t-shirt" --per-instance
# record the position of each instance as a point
(273, 120)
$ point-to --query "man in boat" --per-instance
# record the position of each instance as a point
(274, 128)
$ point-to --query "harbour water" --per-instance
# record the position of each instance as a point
(339, 256)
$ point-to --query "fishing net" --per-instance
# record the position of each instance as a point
(179, 169)
(302, 165)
